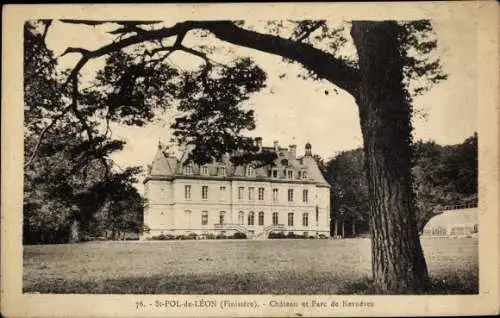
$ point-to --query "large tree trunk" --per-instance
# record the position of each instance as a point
(398, 262)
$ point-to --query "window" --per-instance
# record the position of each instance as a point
(249, 171)
(304, 195)
(290, 219)
(222, 190)
(275, 173)
(304, 175)
(275, 194)
(250, 193)
(305, 219)
(204, 217)
(290, 174)
(317, 216)
(188, 170)
(241, 218)
(261, 218)
(221, 217)
(221, 171)
(187, 192)
(275, 218)
(240, 193)
(251, 218)
(261, 194)
(290, 195)
(204, 170)
(204, 192)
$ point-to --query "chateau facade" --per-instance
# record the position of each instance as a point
(289, 196)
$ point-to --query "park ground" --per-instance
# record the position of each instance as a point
(234, 267)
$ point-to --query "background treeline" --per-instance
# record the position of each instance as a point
(442, 175)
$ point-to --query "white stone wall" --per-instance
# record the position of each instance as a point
(168, 211)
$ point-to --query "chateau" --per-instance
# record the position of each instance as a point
(289, 196)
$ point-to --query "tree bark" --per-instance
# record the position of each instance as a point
(335, 228)
(398, 262)
(343, 229)
(353, 227)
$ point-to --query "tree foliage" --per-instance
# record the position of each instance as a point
(383, 86)
(443, 176)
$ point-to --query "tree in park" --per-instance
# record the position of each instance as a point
(392, 63)
(68, 179)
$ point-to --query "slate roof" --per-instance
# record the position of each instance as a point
(167, 165)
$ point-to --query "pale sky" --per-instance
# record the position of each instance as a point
(296, 111)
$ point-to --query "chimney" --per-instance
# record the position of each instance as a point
(276, 146)
(258, 141)
(308, 150)
(293, 151)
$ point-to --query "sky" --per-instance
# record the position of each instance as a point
(295, 111)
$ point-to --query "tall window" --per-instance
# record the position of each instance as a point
(251, 217)
(241, 218)
(221, 171)
(250, 193)
(317, 216)
(290, 195)
(188, 170)
(221, 217)
(261, 218)
(275, 194)
(204, 192)
(204, 217)
(240, 193)
(305, 219)
(275, 173)
(222, 190)
(261, 194)
(290, 219)
(275, 218)
(304, 174)
(204, 170)
(304, 195)
(187, 192)
(249, 171)
(290, 174)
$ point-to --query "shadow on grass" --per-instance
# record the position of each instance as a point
(248, 283)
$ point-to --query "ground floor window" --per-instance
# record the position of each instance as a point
(305, 219)
(221, 217)
(261, 218)
(251, 218)
(275, 218)
(290, 219)
(204, 217)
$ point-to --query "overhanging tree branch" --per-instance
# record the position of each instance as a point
(323, 64)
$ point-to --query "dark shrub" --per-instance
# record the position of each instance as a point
(239, 235)
(278, 235)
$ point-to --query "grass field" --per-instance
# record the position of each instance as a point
(236, 267)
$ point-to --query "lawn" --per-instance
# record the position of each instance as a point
(234, 267)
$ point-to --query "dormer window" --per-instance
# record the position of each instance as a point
(204, 170)
(274, 173)
(249, 171)
(188, 170)
(221, 171)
